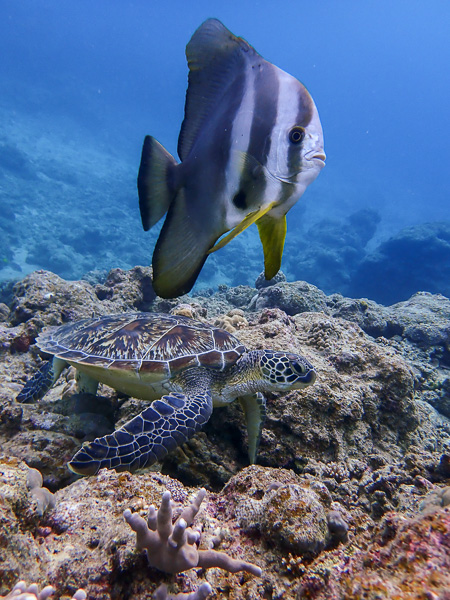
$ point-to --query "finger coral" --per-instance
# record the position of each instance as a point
(22, 591)
(173, 548)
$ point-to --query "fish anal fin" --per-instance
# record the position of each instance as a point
(272, 233)
(182, 247)
(154, 182)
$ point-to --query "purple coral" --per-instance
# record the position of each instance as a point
(22, 591)
(174, 548)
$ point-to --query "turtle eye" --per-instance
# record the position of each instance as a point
(297, 135)
(299, 368)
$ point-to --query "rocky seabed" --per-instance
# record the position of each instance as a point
(350, 496)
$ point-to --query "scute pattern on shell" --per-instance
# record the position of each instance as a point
(147, 341)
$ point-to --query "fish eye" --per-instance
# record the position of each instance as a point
(297, 135)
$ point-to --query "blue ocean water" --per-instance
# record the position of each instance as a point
(83, 82)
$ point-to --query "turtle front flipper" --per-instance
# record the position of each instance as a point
(254, 407)
(166, 424)
(36, 387)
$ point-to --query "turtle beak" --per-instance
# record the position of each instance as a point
(309, 378)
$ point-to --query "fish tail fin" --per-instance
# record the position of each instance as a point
(155, 182)
(182, 246)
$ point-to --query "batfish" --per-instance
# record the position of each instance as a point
(250, 143)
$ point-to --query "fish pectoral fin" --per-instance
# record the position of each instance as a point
(154, 187)
(182, 247)
(272, 233)
(243, 225)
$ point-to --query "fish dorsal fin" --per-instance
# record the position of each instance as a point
(215, 58)
(154, 189)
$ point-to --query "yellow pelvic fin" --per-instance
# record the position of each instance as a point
(272, 233)
(246, 222)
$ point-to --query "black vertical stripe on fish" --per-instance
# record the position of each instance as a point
(252, 183)
(221, 136)
(304, 116)
(176, 266)
(266, 88)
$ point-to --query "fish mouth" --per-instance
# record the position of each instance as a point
(319, 156)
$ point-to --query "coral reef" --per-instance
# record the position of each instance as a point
(363, 402)
(292, 298)
(330, 251)
(291, 515)
(84, 540)
(405, 558)
(351, 491)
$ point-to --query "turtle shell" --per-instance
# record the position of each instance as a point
(148, 343)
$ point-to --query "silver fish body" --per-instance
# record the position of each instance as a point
(250, 143)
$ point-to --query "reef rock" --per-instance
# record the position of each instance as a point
(404, 558)
(364, 402)
(353, 471)
(85, 541)
(417, 258)
(20, 552)
(292, 298)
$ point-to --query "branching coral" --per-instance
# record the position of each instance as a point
(174, 548)
(22, 591)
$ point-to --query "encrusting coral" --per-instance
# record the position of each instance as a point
(174, 548)
(232, 321)
(22, 591)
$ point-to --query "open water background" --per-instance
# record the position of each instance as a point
(83, 82)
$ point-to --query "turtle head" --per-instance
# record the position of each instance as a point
(286, 371)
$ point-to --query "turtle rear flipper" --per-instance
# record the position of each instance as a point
(36, 387)
(149, 437)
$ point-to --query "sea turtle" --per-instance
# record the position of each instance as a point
(185, 366)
